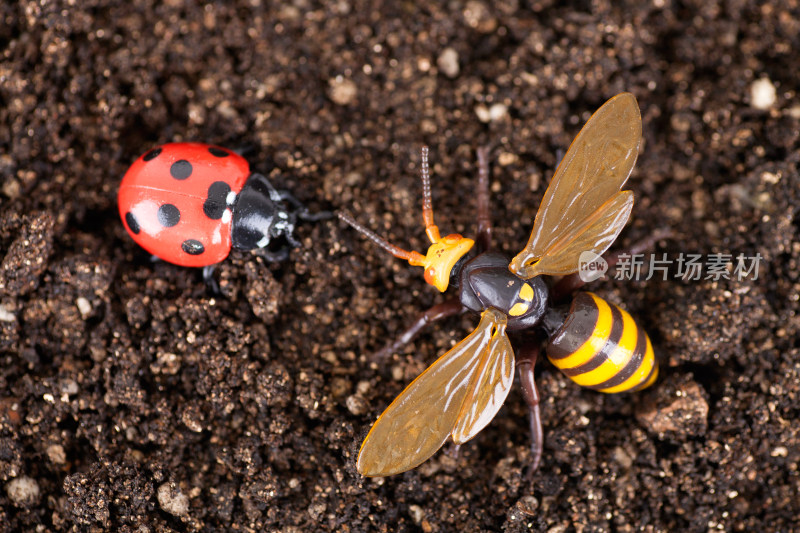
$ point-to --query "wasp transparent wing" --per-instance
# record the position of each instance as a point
(489, 388)
(424, 415)
(594, 235)
(583, 208)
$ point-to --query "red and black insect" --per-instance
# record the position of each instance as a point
(593, 342)
(190, 203)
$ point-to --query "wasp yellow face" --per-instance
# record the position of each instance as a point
(441, 258)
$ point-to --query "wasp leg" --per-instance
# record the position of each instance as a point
(560, 153)
(484, 220)
(571, 283)
(453, 451)
(445, 309)
(526, 361)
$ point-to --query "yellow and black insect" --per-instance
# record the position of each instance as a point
(595, 343)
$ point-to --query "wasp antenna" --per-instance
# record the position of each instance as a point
(425, 174)
(427, 206)
(415, 258)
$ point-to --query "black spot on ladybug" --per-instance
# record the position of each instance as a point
(215, 204)
(218, 152)
(152, 154)
(193, 247)
(168, 215)
(133, 224)
(180, 170)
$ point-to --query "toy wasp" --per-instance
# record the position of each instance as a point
(595, 343)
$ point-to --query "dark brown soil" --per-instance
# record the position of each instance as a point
(132, 399)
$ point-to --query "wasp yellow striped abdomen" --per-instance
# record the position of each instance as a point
(599, 346)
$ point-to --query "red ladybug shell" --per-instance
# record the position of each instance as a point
(175, 201)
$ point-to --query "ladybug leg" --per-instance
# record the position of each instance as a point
(313, 217)
(291, 239)
(484, 239)
(526, 361)
(208, 278)
(571, 283)
(277, 195)
(276, 256)
(301, 211)
(274, 194)
(445, 309)
(286, 196)
(286, 228)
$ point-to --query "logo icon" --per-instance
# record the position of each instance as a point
(591, 266)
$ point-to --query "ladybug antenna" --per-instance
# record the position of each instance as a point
(415, 258)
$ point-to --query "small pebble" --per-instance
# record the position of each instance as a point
(12, 188)
(363, 387)
(779, 451)
(69, 387)
(342, 91)
(448, 62)
(397, 373)
(498, 112)
(356, 404)
(6, 315)
(172, 500)
(528, 505)
(676, 414)
(507, 158)
(192, 418)
(56, 454)
(622, 457)
(23, 491)
(166, 363)
(315, 510)
(416, 513)
(762, 93)
(84, 307)
(478, 17)
(491, 114)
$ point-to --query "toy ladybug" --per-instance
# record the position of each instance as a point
(190, 203)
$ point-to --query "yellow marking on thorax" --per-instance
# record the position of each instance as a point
(526, 292)
(526, 295)
(518, 309)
